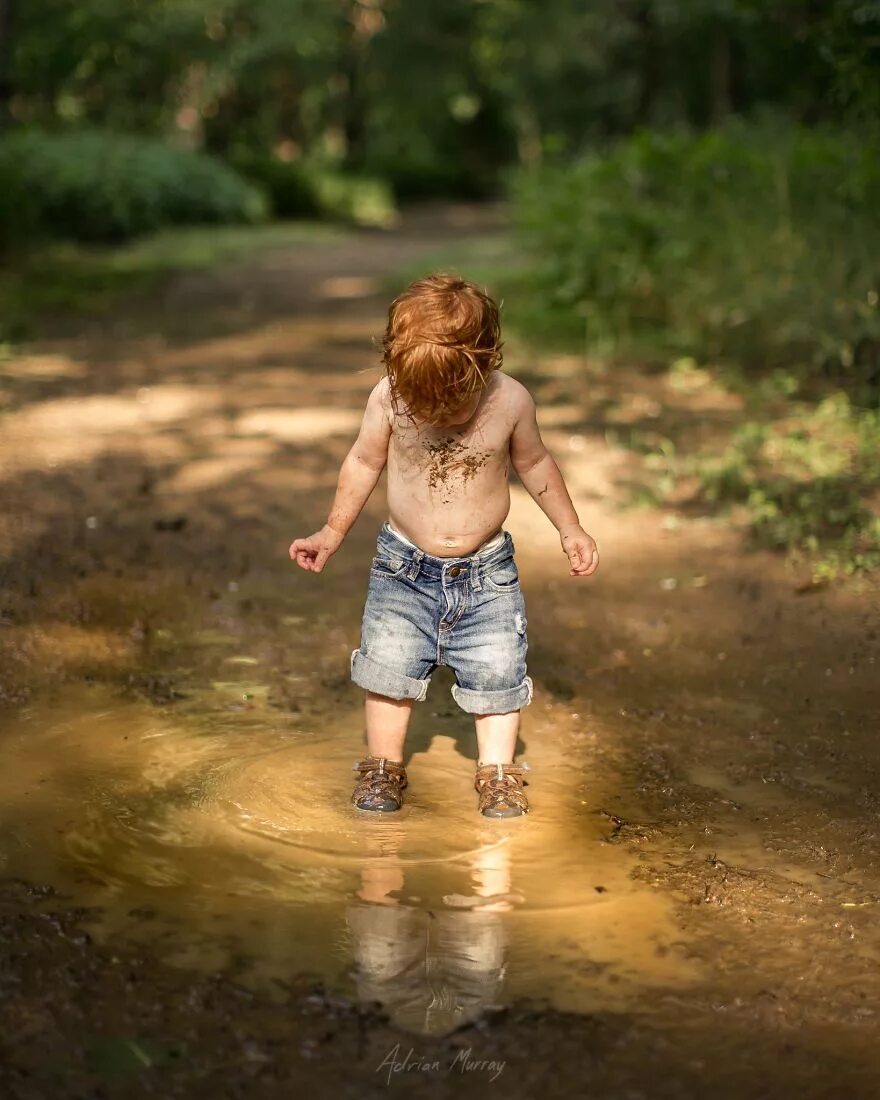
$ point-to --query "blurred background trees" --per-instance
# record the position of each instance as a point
(432, 96)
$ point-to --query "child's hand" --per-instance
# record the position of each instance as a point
(582, 551)
(312, 553)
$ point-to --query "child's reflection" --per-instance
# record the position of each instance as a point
(431, 970)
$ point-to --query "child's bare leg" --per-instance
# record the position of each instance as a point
(381, 782)
(387, 721)
(499, 788)
(496, 737)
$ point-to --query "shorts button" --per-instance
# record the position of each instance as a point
(454, 571)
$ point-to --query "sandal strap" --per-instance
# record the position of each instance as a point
(377, 771)
(499, 773)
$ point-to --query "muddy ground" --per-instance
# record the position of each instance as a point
(708, 719)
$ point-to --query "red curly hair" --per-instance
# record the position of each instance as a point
(442, 342)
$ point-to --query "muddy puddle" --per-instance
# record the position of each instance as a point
(229, 844)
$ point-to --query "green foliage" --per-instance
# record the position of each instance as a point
(848, 33)
(806, 482)
(350, 198)
(287, 186)
(99, 186)
(298, 190)
(18, 213)
(427, 113)
(754, 247)
(752, 244)
(433, 95)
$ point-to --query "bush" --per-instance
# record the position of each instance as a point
(301, 190)
(18, 213)
(104, 187)
(413, 181)
(357, 199)
(753, 244)
(287, 186)
(806, 482)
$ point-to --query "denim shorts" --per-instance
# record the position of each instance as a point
(467, 613)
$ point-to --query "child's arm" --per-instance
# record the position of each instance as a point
(357, 478)
(544, 483)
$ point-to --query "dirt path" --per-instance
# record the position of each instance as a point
(703, 737)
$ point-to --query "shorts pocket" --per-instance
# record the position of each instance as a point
(387, 566)
(503, 577)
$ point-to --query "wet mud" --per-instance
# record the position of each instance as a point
(452, 464)
(189, 905)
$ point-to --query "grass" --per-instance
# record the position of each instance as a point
(799, 477)
(77, 279)
(808, 482)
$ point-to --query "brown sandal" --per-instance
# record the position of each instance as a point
(380, 786)
(500, 787)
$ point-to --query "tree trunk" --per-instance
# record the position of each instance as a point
(649, 54)
(353, 108)
(721, 97)
(528, 136)
(5, 62)
(365, 18)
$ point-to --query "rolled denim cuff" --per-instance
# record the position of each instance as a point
(494, 702)
(385, 681)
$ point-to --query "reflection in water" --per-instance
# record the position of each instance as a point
(431, 971)
(229, 844)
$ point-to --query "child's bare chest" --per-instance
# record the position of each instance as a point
(451, 463)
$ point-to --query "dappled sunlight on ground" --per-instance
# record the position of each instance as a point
(305, 425)
(42, 367)
(351, 286)
(75, 430)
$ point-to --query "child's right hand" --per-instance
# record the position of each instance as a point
(312, 553)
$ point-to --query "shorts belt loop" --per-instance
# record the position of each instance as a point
(475, 576)
(413, 572)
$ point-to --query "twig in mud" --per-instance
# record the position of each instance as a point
(618, 822)
(622, 827)
(834, 878)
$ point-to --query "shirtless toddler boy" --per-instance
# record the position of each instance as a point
(444, 587)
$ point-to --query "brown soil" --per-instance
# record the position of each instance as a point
(714, 720)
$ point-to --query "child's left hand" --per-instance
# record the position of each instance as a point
(312, 553)
(582, 551)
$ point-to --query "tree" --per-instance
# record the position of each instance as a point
(5, 61)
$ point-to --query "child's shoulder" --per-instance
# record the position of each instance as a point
(381, 392)
(380, 398)
(512, 393)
